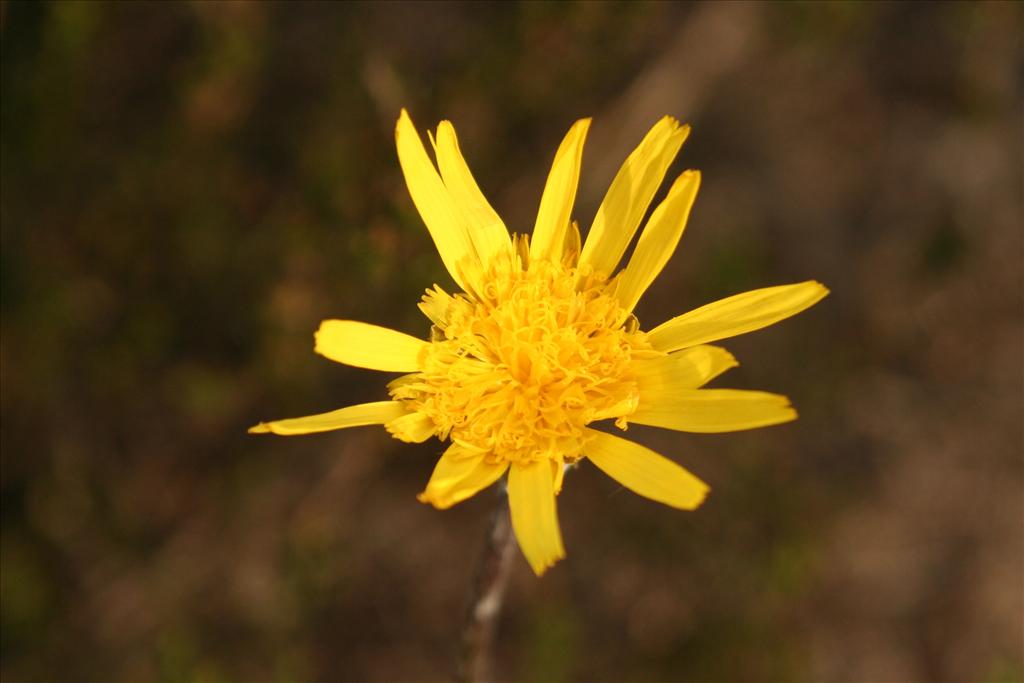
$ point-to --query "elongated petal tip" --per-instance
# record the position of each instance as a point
(813, 292)
(540, 565)
(787, 413)
(402, 116)
(427, 498)
(676, 128)
(261, 428)
(699, 497)
(540, 570)
(442, 500)
(317, 344)
(402, 125)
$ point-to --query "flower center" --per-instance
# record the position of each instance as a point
(517, 371)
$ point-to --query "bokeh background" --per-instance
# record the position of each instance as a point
(189, 188)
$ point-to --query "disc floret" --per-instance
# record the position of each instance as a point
(516, 372)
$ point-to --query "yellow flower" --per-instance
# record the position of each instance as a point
(541, 341)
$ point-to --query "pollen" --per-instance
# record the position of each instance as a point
(515, 373)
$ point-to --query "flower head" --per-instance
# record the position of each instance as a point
(542, 342)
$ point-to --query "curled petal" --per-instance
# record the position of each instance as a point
(458, 476)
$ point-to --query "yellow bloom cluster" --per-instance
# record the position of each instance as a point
(541, 341)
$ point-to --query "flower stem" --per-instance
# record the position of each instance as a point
(485, 599)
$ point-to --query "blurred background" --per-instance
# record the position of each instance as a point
(189, 188)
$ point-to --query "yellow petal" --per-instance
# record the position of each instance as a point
(352, 416)
(368, 346)
(559, 194)
(644, 472)
(736, 315)
(630, 194)
(712, 410)
(531, 497)
(434, 202)
(687, 369)
(571, 246)
(411, 428)
(458, 476)
(435, 305)
(521, 246)
(658, 240)
(558, 472)
(486, 229)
